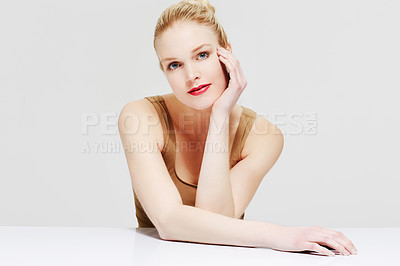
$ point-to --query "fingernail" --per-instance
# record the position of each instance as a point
(354, 251)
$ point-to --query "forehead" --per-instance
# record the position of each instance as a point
(183, 37)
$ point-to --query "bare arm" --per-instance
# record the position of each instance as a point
(187, 223)
(214, 190)
(191, 224)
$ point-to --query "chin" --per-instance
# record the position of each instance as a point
(200, 108)
(199, 105)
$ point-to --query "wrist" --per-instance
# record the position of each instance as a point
(220, 121)
(272, 234)
(219, 113)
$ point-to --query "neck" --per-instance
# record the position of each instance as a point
(189, 121)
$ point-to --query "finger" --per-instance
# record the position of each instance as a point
(232, 74)
(317, 248)
(235, 67)
(229, 55)
(232, 60)
(331, 242)
(230, 65)
(343, 240)
(240, 77)
(322, 237)
(349, 248)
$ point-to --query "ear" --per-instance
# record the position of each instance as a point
(228, 47)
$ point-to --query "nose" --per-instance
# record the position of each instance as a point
(191, 74)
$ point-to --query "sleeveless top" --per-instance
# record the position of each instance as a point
(187, 190)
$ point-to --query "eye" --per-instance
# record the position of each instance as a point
(172, 66)
(175, 65)
(205, 55)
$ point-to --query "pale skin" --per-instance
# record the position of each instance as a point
(222, 193)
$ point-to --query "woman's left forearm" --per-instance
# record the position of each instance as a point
(214, 190)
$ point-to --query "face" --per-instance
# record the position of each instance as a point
(188, 55)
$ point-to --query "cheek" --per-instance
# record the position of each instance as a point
(215, 68)
(174, 80)
(216, 63)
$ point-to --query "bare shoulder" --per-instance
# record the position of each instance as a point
(264, 136)
(139, 107)
(140, 120)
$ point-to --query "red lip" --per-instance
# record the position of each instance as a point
(200, 91)
(199, 87)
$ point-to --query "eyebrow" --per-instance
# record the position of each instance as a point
(194, 50)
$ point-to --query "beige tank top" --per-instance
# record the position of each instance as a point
(186, 190)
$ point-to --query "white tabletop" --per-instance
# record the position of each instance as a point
(131, 246)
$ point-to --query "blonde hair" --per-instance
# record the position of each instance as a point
(200, 11)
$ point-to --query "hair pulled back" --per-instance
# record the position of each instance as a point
(200, 11)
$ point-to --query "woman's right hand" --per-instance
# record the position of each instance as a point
(311, 238)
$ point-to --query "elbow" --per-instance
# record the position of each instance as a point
(163, 235)
(166, 223)
(162, 230)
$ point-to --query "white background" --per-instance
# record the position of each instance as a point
(63, 60)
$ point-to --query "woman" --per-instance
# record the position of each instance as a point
(195, 157)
